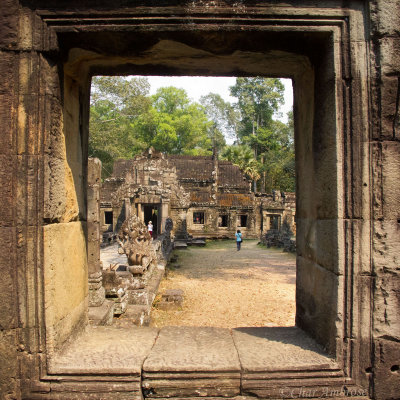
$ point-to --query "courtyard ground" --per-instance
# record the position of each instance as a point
(228, 288)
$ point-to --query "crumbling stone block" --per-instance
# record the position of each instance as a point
(171, 299)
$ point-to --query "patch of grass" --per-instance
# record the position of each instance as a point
(156, 300)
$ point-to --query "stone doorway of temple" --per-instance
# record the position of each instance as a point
(151, 213)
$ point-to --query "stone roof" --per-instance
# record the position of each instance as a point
(231, 175)
(197, 168)
(234, 200)
(198, 197)
(223, 199)
(200, 168)
(188, 168)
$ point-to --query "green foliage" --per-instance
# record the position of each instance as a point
(175, 125)
(258, 100)
(125, 120)
(115, 105)
(242, 156)
(224, 117)
(279, 162)
(270, 141)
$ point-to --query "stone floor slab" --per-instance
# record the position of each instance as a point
(105, 350)
(180, 245)
(102, 315)
(274, 349)
(193, 349)
(109, 256)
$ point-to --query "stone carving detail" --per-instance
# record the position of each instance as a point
(168, 225)
(181, 197)
(283, 237)
(163, 245)
(136, 242)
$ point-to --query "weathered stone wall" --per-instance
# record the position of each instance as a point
(212, 213)
(45, 252)
(319, 278)
(153, 178)
(385, 151)
(146, 179)
(277, 206)
(66, 302)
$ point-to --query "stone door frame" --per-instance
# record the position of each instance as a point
(332, 142)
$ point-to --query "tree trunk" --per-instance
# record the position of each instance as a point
(264, 176)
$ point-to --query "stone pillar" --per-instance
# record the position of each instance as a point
(116, 210)
(140, 212)
(96, 289)
(164, 215)
(215, 173)
(127, 205)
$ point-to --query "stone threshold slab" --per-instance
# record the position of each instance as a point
(192, 352)
(279, 349)
(103, 350)
(285, 375)
(192, 388)
(190, 375)
(193, 349)
(291, 396)
(192, 362)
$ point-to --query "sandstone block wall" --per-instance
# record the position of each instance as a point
(385, 150)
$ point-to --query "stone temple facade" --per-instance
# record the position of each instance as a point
(204, 197)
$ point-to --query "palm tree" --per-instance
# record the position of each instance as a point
(243, 157)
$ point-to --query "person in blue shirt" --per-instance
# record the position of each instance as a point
(238, 239)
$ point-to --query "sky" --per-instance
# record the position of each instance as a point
(197, 86)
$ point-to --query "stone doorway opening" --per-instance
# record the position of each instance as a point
(312, 50)
(303, 82)
(234, 205)
(151, 213)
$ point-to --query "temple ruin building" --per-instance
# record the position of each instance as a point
(204, 197)
(343, 58)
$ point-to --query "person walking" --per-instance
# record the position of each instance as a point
(150, 228)
(238, 235)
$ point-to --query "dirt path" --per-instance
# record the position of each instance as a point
(228, 288)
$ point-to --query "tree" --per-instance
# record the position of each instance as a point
(271, 140)
(125, 120)
(224, 117)
(278, 168)
(116, 103)
(258, 100)
(129, 96)
(174, 124)
(242, 156)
